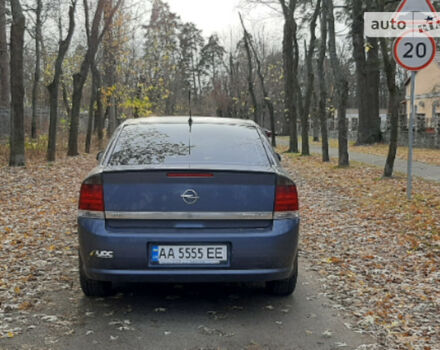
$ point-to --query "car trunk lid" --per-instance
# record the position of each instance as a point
(188, 199)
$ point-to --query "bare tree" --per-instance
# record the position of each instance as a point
(323, 88)
(305, 150)
(17, 152)
(290, 30)
(250, 77)
(99, 111)
(94, 37)
(341, 86)
(393, 102)
(315, 116)
(393, 107)
(37, 73)
(109, 47)
(367, 74)
(266, 97)
(95, 107)
(4, 58)
(53, 87)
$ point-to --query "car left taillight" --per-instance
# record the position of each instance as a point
(286, 199)
(91, 198)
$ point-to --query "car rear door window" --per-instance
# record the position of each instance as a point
(227, 145)
(175, 144)
(146, 144)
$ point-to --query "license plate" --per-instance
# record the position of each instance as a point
(189, 254)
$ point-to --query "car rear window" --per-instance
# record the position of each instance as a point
(174, 144)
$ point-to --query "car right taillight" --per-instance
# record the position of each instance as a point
(91, 198)
(286, 199)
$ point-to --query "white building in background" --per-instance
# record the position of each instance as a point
(352, 115)
(427, 98)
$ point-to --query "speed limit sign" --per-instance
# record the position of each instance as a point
(414, 50)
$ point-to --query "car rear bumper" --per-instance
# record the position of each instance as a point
(255, 254)
(189, 275)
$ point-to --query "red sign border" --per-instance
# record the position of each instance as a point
(396, 57)
(403, 3)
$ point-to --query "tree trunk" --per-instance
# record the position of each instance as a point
(367, 76)
(373, 84)
(199, 81)
(237, 89)
(341, 87)
(394, 136)
(79, 80)
(296, 85)
(266, 97)
(315, 118)
(93, 99)
(66, 102)
(342, 124)
(99, 112)
(289, 74)
(53, 87)
(112, 116)
(250, 77)
(4, 59)
(109, 68)
(361, 68)
(322, 88)
(393, 109)
(17, 152)
(232, 84)
(305, 150)
(53, 120)
(194, 80)
(36, 83)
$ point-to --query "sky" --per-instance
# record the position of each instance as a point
(221, 16)
(209, 15)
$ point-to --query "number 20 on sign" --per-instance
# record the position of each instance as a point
(414, 50)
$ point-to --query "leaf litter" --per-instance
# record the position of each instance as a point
(38, 244)
(377, 253)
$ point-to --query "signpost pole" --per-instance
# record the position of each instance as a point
(411, 132)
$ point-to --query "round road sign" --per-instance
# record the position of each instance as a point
(414, 50)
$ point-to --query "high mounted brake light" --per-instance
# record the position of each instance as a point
(286, 199)
(91, 199)
(191, 175)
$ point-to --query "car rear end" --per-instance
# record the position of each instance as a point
(174, 202)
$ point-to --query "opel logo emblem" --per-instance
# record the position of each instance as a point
(190, 197)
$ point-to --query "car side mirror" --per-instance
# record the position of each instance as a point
(99, 156)
(279, 157)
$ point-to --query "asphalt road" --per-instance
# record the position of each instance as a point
(423, 170)
(192, 317)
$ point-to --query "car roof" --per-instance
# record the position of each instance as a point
(184, 120)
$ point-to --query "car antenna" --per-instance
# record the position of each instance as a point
(190, 120)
